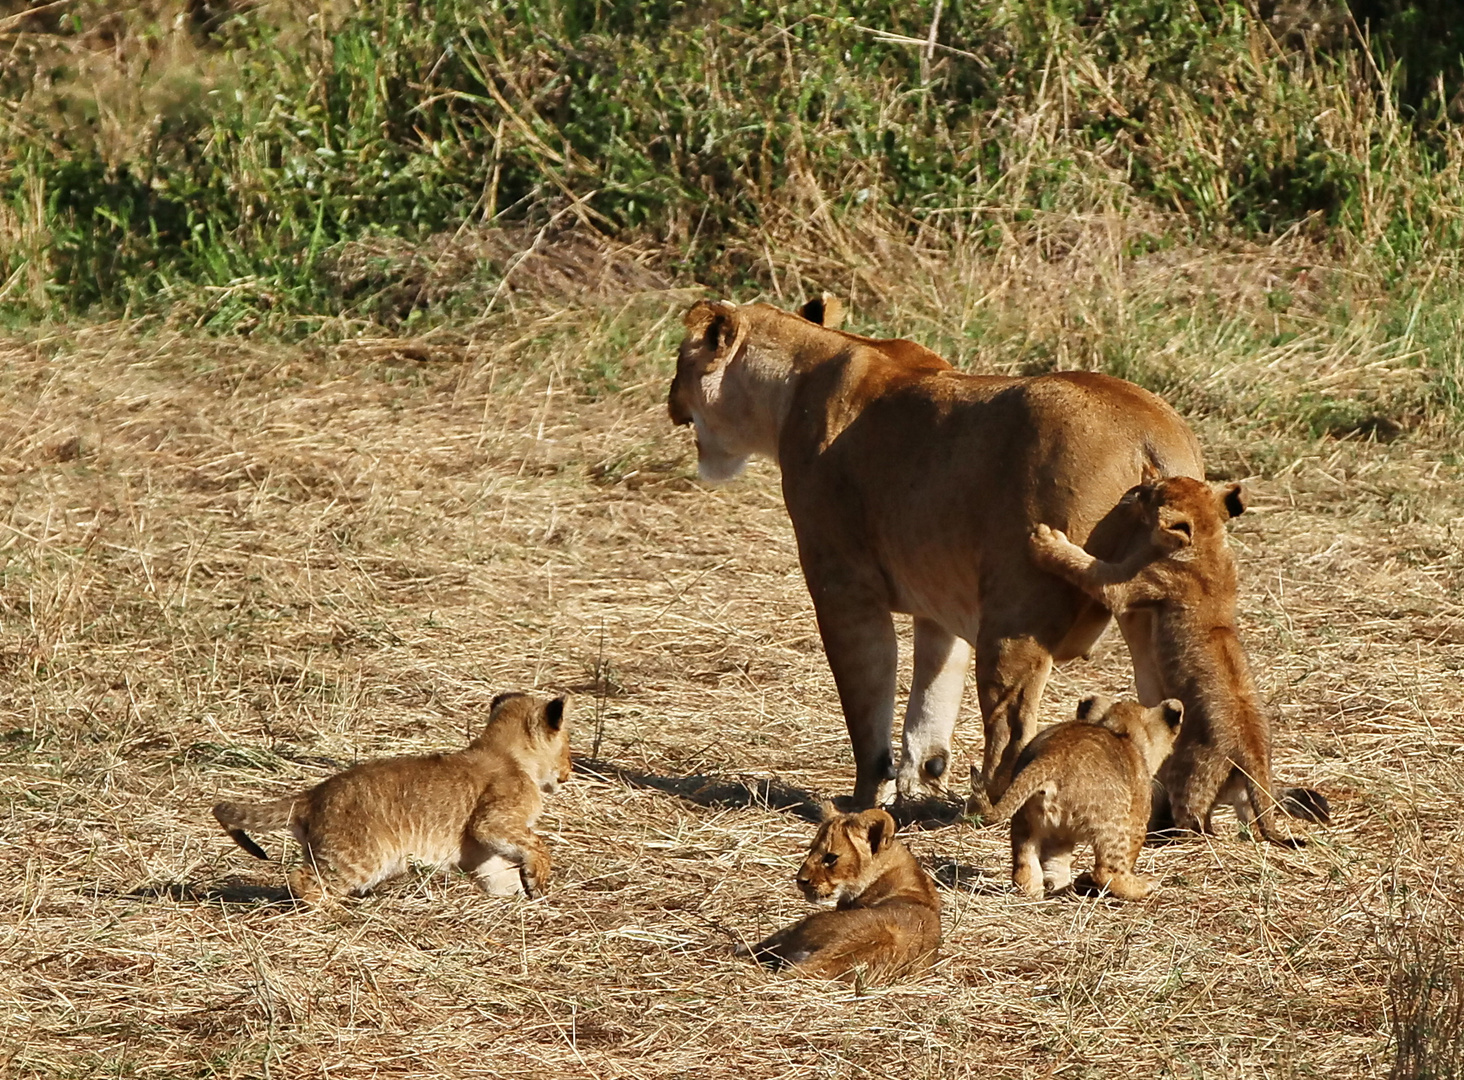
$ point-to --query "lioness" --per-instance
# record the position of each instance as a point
(886, 917)
(912, 487)
(1088, 781)
(474, 809)
(1179, 575)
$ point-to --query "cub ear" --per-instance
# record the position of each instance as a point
(1094, 708)
(500, 699)
(716, 326)
(1172, 709)
(879, 828)
(827, 811)
(827, 310)
(1134, 494)
(554, 713)
(1148, 474)
(1232, 500)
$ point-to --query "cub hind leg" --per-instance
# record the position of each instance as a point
(1057, 863)
(1027, 850)
(1116, 848)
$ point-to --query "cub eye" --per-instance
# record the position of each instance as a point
(830, 859)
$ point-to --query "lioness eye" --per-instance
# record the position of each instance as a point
(830, 859)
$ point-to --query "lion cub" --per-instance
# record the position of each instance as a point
(1181, 575)
(1087, 780)
(885, 920)
(474, 809)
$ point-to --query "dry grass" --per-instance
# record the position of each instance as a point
(229, 568)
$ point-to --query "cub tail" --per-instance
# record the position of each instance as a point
(236, 817)
(1307, 804)
(1033, 780)
(1264, 805)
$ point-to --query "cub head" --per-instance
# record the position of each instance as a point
(846, 856)
(1180, 511)
(1152, 731)
(536, 731)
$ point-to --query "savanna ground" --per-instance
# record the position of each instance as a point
(230, 568)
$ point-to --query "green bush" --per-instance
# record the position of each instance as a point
(171, 147)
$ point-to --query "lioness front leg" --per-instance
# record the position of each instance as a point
(859, 641)
(939, 676)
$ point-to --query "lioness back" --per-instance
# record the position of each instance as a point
(886, 918)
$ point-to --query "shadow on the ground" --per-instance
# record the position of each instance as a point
(767, 794)
(230, 890)
(971, 879)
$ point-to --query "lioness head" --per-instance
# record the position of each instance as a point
(1152, 731)
(1180, 511)
(846, 855)
(730, 382)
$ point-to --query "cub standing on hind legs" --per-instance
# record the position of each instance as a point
(1179, 575)
(474, 809)
(886, 917)
(1088, 781)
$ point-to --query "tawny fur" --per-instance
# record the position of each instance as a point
(1178, 576)
(886, 918)
(1088, 781)
(912, 487)
(474, 809)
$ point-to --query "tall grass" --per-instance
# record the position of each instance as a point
(267, 164)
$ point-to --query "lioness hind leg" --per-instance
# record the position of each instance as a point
(1010, 675)
(938, 677)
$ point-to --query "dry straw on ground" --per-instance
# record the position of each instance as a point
(228, 569)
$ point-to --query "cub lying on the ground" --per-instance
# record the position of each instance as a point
(474, 809)
(886, 919)
(1088, 780)
(1180, 574)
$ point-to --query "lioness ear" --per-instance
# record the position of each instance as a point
(1173, 711)
(718, 327)
(554, 713)
(827, 811)
(879, 828)
(827, 310)
(1094, 708)
(1231, 499)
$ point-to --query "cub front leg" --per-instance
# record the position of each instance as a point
(859, 641)
(1103, 581)
(501, 836)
